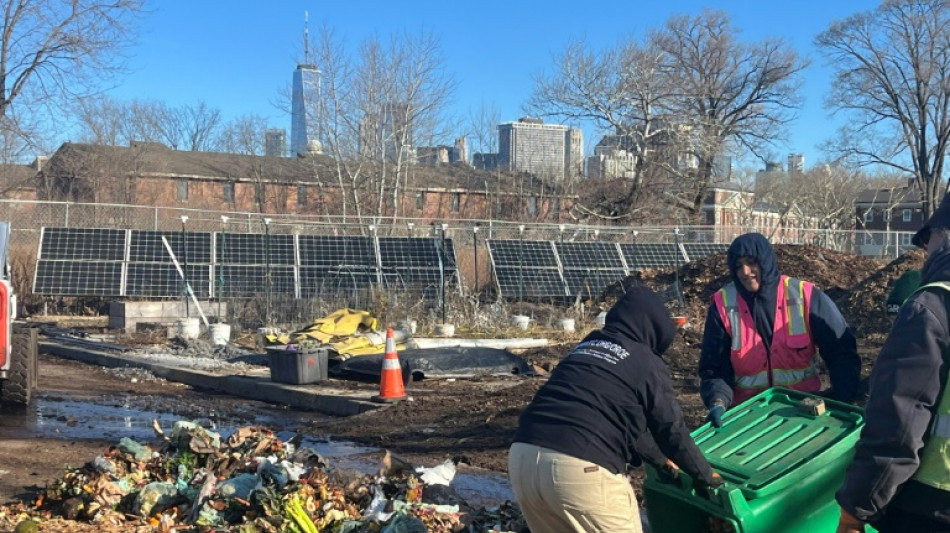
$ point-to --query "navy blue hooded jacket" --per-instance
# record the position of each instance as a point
(613, 392)
(829, 331)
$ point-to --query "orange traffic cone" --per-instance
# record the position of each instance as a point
(391, 388)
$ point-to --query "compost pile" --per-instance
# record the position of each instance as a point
(251, 482)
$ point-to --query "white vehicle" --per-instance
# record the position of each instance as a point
(18, 344)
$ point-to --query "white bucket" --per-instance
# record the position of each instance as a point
(520, 321)
(188, 328)
(566, 324)
(220, 333)
(445, 330)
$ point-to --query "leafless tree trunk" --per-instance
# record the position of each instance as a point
(893, 83)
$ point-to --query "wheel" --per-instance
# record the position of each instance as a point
(20, 384)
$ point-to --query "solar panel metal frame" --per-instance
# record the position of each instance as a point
(256, 249)
(86, 278)
(640, 256)
(97, 244)
(526, 269)
(335, 251)
(592, 255)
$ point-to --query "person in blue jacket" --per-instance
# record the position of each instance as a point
(609, 403)
(899, 478)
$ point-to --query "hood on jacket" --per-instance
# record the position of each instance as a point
(756, 246)
(940, 220)
(640, 316)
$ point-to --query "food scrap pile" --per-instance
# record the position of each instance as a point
(250, 482)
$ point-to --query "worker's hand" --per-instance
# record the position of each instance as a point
(669, 471)
(715, 413)
(847, 523)
(708, 488)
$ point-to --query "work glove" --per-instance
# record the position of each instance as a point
(715, 413)
(708, 488)
(847, 523)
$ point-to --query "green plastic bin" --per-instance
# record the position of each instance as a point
(781, 464)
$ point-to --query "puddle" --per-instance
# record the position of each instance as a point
(69, 418)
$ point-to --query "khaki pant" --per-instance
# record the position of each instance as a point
(559, 493)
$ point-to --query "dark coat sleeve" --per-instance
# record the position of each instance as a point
(837, 346)
(715, 366)
(665, 421)
(905, 386)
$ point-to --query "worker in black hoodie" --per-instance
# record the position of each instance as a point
(611, 395)
(899, 479)
(763, 330)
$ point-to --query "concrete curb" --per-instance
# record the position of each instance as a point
(306, 397)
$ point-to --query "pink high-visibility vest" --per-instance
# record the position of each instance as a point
(793, 363)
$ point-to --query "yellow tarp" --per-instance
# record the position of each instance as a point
(346, 331)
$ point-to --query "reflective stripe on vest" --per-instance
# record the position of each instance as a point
(794, 303)
(934, 467)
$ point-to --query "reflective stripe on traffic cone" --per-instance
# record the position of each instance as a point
(391, 388)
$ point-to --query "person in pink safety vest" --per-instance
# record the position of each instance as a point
(765, 330)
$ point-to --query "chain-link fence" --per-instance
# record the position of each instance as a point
(474, 285)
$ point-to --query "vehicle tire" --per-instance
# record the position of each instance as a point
(20, 384)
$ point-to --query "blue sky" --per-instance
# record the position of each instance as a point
(238, 55)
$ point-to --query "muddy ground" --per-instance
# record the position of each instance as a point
(471, 420)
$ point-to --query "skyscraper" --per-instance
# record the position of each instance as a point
(796, 162)
(275, 142)
(304, 135)
(546, 150)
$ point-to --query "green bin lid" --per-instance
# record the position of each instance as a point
(772, 441)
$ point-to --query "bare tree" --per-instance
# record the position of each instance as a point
(893, 82)
(728, 92)
(52, 51)
(243, 135)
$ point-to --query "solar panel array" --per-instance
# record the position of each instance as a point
(108, 262)
(554, 269)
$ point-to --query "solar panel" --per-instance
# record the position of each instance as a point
(249, 280)
(332, 251)
(590, 283)
(256, 249)
(534, 254)
(515, 282)
(401, 252)
(650, 255)
(78, 278)
(163, 280)
(599, 255)
(696, 251)
(80, 244)
(315, 281)
(147, 247)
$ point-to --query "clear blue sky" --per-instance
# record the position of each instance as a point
(237, 55)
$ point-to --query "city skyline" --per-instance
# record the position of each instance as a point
(240, 59)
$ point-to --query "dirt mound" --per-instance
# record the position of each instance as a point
(863, 305)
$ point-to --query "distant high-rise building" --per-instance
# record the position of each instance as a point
(547, 150)
(388, 134)
(773, 166)
(460, 153)
(613, 158)
(275, 142)
(485, 161)
(796, 162)
(304, 135)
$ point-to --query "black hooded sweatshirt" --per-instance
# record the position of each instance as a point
(829, 330)
(613, 391)
(908, 376)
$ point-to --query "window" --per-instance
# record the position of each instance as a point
(259, 193)
(887, 215)
(533, 206)
(229, 192)
(908, 215)
(182, 190)
(301, 195)
(456, 201)
(420, 201)
(556, 205)
(869, 215)
(905, 237)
